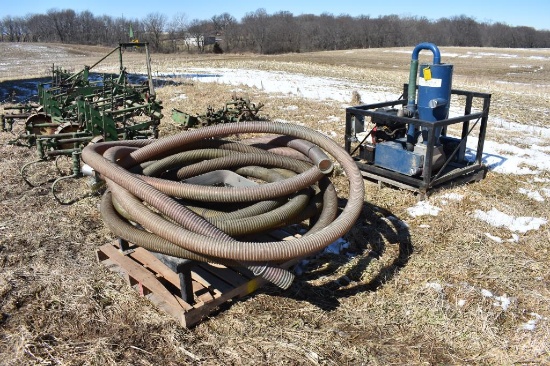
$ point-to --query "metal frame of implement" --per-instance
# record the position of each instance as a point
(74, 111)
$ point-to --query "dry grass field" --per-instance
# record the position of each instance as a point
(411, 289)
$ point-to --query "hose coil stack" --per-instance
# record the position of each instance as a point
(153, 199)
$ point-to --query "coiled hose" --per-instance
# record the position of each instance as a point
(150, 204)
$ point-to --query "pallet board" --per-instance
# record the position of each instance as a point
(213, 285)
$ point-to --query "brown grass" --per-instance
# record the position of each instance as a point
(409, 295)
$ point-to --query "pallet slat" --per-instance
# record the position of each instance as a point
(146, 281)
(213, 285)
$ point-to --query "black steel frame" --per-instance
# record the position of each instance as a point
(451, 173)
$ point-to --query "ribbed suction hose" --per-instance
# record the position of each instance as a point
(156, 206)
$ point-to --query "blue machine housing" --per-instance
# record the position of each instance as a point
(434, 95)
(434, 91)
(432, 104)
(392, 155)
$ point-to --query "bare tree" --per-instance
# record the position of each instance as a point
(226, 26)
(309, 30)
(542, 39)
(176, 29)
(327, 32)
(347, 36)
(198, 31)
(415, 30)
(63, 22)
(255, 25)
(8, 29)
(222, 22)
(40, 29)
(364, 25)
(14, 29)
(85, 28)
(464, 31)
(283, 35)
(154, 25)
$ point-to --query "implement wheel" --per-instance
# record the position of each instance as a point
(67, 127)
(34, 121)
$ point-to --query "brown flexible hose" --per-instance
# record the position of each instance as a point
(178, 225)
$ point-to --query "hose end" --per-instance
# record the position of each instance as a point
(278, 276)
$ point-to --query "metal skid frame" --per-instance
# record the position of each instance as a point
(452, 172)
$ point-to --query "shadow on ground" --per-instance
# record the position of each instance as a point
(341, 274)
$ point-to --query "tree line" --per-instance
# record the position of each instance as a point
(265, 33)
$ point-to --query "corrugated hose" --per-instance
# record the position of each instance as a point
(149, 203)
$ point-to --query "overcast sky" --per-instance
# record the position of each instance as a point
(531, 13)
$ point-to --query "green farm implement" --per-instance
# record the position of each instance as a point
(77, 109)
(238, 109)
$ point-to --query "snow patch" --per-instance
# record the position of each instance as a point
(179, 97)
(494, 238)
(498, 239)
(435, 286)
(499, 219)
(486, 293)
(294, 84)
(423, 208)
(337, 247)
(534, 195)
(444, 199)
(502, 301)
(531, 323)
(290, 108)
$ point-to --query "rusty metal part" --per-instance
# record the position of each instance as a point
(40, 124)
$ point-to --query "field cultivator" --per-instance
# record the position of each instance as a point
(77, 109)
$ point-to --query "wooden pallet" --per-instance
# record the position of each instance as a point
(213, 285)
